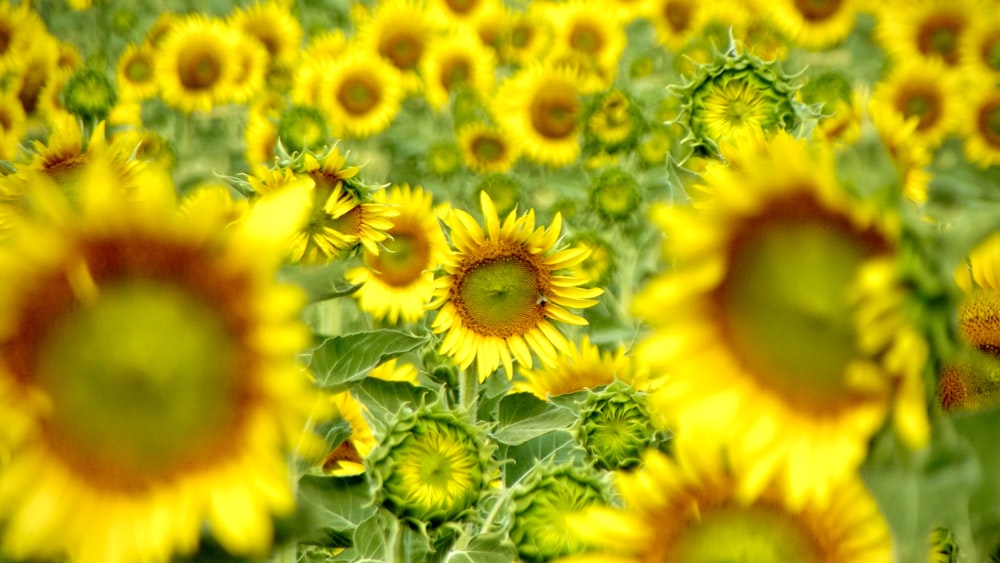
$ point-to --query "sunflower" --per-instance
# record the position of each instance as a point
(911, 157)
(361, 93)
(924, 92)
(135, 73)
(676, 21)
(455, 61)
(799, 361)
(399, 280)
(980, 125)
(20, 25)
(815, 24)
(137, 382)
(349, 456)
(273, 26)
(541, 106)
(453, 13)
(925, 30)
(501, 288)
(979, 48)
(400, 32)
(13, 126)
(590, 36)
(582, 366)
(252, 67)
(486, 149)
(692, 508)
(197, 63)
(526, 36)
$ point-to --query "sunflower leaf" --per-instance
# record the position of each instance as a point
(522, 416)
(344, 359)
(333, 507)
(484, 548)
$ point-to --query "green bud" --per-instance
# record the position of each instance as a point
(615, 426)
(302, 128)
(89, 95)
(614, 195)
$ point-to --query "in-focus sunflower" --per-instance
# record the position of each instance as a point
(400, 31)
(979, 123)
(197, 63)
(814, 24)
(455, 61)
(691, 508)
(581, 367)
(923, 92)
(486, 149)
(783, 320)
(502, 287)
(360, 93)
(135, 73)
(398, 281)
(541, 106)
(146, 407)
(348, 458)
(925, 30)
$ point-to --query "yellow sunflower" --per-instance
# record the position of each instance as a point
(815, 24)
(360, 92)
(19, 26)
(590, 36)
(582, 367)
(910, 156)
(502, 287)
(13, 126)
(400, 31)
(676, 21)
(486, 149)
(526, 36)
(924, 92)
(197, 63)
(691, 508)
(454, 61)
(979, 48)
(398, 282)
(146, 407)
(274, 26)
(451, 13)
(979, 124)
(783, 321)
(135, 73)
(349, 457)
(925, 30)
(541, 107)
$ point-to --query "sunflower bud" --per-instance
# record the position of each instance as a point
(614, 195)
(615, 426)
(503, 189)
(303, 128)
(89, 95)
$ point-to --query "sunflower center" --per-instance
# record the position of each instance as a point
(404, 258)
(733, 109)
(501, 296)
(991, 52)
(922, 103)
(487, 149)
(555, 111)
(989, 122)
(979, 318)
(818, 10)
(461, 6)
(138, 70)
(939, 36)
(678, 15)
(358, 94)
(522, 35)
(755, 533)
(403, 50)
(784, 302)
(142, 381)
(586, 39)
(198, 69)
(349, 223)
(455, 74)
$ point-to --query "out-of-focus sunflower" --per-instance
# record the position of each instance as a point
(455, 61)
(135, 73)
(398, 282)
(923, 92)
(676, 21)
(925, 30)
(591, 37)
(13, 126)
(541, 107)
(274, 26)
(452, 13)
(252, 67)
(979, 48)
(814, 24)
(360, 92)
(400, 31)
(486, 149)
(134, 377)
(260, 137)
(197, 63)
(691, 507)
(19, 26)
(526, 36)
(910, 156)
(980, 126)
(783, 322)
(582, 366)
(502, 288)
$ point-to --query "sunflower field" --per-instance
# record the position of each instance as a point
(491, 281)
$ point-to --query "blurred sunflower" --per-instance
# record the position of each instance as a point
(252, 67)
(541, 107)
(486, 149)
(400, 32)
(979, 49)
(19, 26)
(526, 37)
(925, 30)
(147, 445)
(580, 367)
(814, 24)
(455, 61)
(501, 288)
(452, 13)
(591, 37)
(135, 73)
(802, 364)
(910, 156)
(13, 126)
(360, 92)
(979, 125)
(196, 63)
(691, 508)
(398, 282)
(676, 21)
(924, 92)
(274, 26)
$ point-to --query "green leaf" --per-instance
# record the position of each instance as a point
(980, 429)
(344, 359)
(320, 283)
(385, 398)
(523, 416)
(333, 507)
(557, 446)
(375, 537)
(485, 548)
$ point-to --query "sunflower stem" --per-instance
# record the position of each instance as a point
(468, 391)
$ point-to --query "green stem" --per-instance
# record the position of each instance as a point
(468, 389)
(287, 553)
